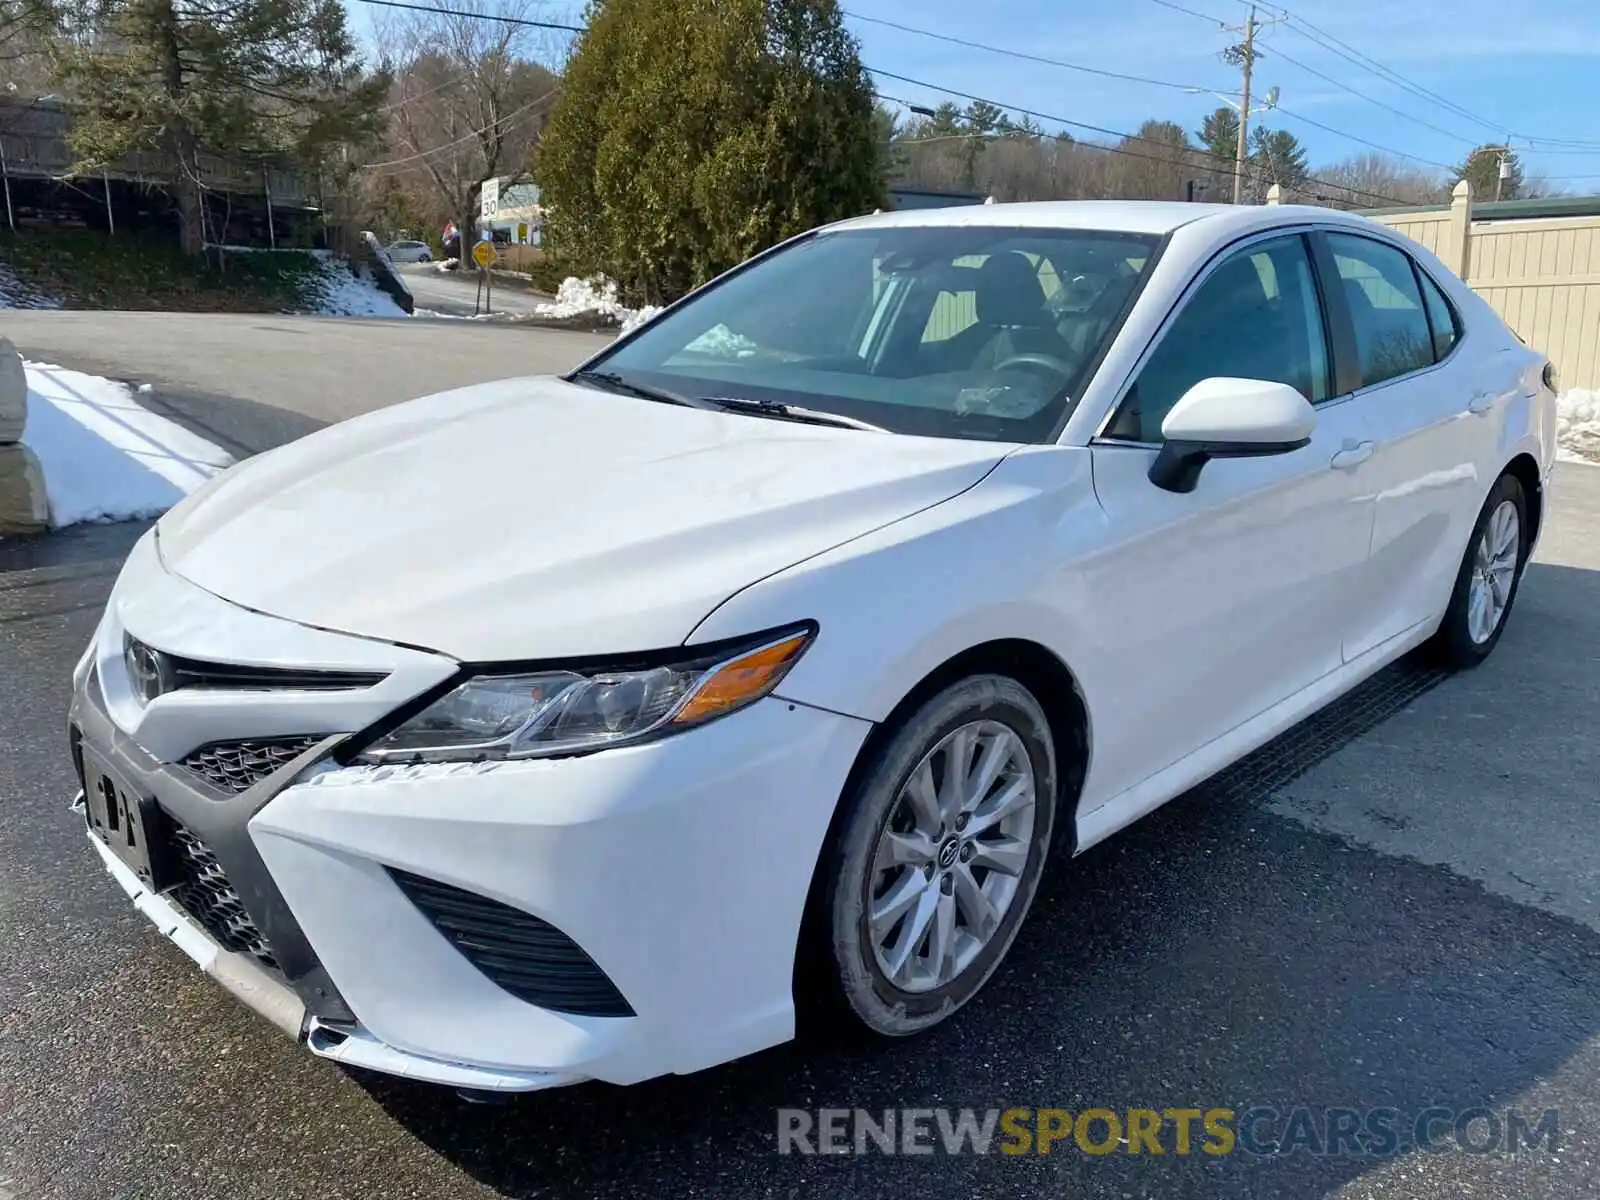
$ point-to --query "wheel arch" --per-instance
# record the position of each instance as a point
(1525, 471)
(1052, 683)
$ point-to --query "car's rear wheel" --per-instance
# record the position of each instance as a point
(938, 854)
(1486, 585)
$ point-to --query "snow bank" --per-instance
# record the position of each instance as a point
(16, 294)
(341, 292)
(105, 457)
(596, 297)
(1578, 424)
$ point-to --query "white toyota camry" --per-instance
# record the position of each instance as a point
(552, 729)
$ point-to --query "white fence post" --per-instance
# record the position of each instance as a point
(1275, 194)
(1458, 238)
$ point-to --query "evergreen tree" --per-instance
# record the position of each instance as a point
(1278, 158)
(1219, 134)
(1482, 170)
(238, 77)
(691, 134)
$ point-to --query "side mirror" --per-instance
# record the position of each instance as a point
(1229, 418)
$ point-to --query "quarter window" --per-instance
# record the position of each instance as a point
(1391, 324)
(1256, 316)
(1441, 317)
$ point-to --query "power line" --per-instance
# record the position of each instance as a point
(1277, 53)
(1100, 129)
(1051, 62)
(1294, 116)
(466, 137)
(457, 12)
(1191, 12)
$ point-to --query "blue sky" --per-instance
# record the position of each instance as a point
(1532, 69)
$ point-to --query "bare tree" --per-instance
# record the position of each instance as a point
(1374, 180)
(468, 104)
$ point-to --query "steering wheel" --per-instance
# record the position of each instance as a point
(1046, 362)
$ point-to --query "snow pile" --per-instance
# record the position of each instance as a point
(341, 292)
(16, 294)
(596, 297)
(105, 457)
(1578, 424)
(448, 264)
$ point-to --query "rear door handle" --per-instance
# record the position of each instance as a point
(1352, 457)
(1481, 403)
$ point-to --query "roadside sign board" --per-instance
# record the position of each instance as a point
(489, 199)
(484, 254)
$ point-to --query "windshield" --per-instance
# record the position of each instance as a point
(974, 332)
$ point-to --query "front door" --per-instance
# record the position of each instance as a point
(1226, 600)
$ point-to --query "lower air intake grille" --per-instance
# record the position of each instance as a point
(530, 958)
(237, 766)
(206, 895)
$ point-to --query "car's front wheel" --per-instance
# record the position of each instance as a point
(938, 854)
(1486, 584)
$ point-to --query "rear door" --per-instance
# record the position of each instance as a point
(1428, 401)
(1226, 600)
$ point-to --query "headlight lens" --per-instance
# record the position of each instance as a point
(552, 712)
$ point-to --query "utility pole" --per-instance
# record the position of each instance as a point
(1243, 56)
(1244, 107)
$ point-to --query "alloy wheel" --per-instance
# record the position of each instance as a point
(1494, 571)
(949, 861)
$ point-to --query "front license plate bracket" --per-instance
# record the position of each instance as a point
(129, 822)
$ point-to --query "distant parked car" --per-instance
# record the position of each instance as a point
(410, 252)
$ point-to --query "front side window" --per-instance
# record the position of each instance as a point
(1391, 325)
(1256, 316)
(982, 332)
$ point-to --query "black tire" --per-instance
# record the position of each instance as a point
(1454, 646)
(853, 981)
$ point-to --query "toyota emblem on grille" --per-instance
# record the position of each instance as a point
(149, 672)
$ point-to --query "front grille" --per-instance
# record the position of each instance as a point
(206, 895)
(175, 672)
(530, 958)
(234, 767)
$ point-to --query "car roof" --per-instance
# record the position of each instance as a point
(1123, 216)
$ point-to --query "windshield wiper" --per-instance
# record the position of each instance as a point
(780, 411)
(612, 381)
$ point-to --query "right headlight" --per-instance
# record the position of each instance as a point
(558, 711)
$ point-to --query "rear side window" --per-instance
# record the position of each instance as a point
(1441, 317)
(1393, 336)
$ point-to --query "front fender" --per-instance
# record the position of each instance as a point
(895, 605)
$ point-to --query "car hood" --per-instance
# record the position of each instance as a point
(535, 518)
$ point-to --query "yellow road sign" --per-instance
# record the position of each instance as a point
(484, 254)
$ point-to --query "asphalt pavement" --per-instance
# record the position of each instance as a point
(456, 293)
(1395, 906)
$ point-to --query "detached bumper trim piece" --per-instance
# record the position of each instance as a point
(239, 974)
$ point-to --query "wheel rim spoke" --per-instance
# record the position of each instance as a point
(1008, 855)
(896, 902)
(994, 757)
(980, 915)
(942, 939)
(1015, 795)
(912, 931)
(957, 773)
(922, 798)
(914, 849)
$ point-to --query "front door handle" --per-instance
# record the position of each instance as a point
(1352, 456)
(1481, 403)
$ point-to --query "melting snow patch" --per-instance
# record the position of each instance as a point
(1578, 424)
(105, 457)
(16, 294)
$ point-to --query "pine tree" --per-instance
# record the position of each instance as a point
(240, 77)
(690, 134)
(1278, 157)
(1219, 134)
(1482, 170)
